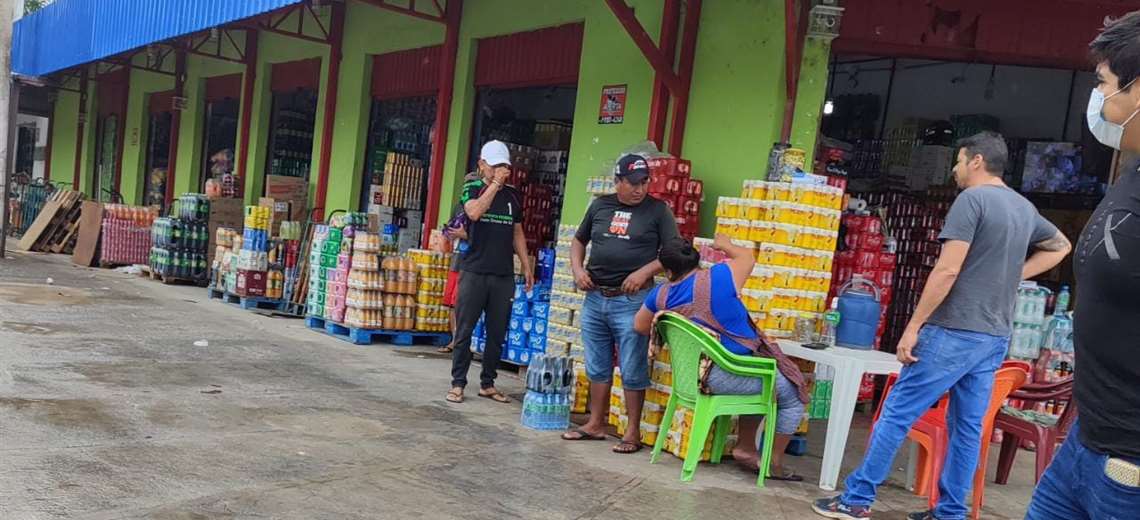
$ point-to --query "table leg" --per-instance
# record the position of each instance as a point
(844, 392)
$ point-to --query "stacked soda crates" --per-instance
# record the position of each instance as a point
(565, 312)
(288, 255)
(179, 242)
(364, 288)
(329, 261)
(126, 234)
(431, 314)
(253, 259)
(794, 229)
(671, 181)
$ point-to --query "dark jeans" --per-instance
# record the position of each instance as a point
(481, 294)
(1075, 487)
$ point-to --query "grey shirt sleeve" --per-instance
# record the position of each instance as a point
(1042, 230)
(962, 220)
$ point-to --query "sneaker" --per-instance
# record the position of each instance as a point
(924, 515)
(834, 508)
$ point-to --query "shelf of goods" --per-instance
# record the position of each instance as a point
(292, 144)
(794, 228)
(671, 182)
(125, 234)
(179, 242)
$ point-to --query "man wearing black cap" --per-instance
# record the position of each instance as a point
(626, 231)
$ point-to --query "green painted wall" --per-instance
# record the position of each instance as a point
(64, 127)
(191, 137)
(143, 83)
(737, 102)
(609, 56)
(367, 31)
(810, 96)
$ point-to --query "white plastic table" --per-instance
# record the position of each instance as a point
(849, 365)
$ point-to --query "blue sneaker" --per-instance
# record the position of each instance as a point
(834, 508)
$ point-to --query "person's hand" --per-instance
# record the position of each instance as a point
(502, 174)
(529, 275)
(906, 345)
(582, 280)
(721, 242)
(634, 282)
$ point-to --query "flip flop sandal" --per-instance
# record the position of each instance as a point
(627, 448)
(496, 396)
(787, 477)
(454, 396)
(583, 435)
(445, 350)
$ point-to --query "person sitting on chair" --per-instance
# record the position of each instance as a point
(691, 292)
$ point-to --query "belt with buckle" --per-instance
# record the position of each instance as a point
(1122, 472)
(610, 292)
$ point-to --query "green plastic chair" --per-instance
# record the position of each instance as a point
(687, 341)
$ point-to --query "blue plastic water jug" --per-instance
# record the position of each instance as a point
(858, 314)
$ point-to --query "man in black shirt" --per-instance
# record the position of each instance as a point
(488, 283)
(1096, 474)
(626, 231)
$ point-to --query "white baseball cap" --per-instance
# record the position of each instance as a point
(495, 153)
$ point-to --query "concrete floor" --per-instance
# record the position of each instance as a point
(108, 410)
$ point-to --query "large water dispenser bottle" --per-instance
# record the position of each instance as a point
(859, 313)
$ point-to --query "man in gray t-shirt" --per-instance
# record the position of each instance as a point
(959, 333)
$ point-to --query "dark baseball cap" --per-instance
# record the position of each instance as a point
(632, 168)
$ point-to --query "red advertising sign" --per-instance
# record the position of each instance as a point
(612, 109)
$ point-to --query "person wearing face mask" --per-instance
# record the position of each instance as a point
(1096, 473)
(959, 333)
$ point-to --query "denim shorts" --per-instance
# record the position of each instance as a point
(789, 408)
(606, 323)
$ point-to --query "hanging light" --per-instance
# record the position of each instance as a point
(828, 107)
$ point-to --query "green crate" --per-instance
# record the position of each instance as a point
(328, 261)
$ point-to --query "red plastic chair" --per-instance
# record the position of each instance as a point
(1046, 438)
(931, 433)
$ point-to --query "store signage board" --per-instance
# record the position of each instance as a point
(612, 108)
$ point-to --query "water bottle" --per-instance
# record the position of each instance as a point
(830, 323)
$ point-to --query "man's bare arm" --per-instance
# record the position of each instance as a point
(1049, 253)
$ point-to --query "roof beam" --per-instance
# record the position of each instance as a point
(410, 10)
(661, 64)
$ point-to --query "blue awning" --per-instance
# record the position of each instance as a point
(66, 33)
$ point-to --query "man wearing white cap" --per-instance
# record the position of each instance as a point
(494, 228)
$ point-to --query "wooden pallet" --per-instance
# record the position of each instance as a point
(56, 227)
(172, 280)
(356, 336)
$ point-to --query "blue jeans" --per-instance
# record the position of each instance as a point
(1075, 487)
(609, 321)
(958, 361)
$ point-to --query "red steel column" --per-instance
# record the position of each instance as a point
(79, 135)
(332, 84)
(659, 106)
(688, 54)
(175, 122)
(453, 15)
(247, 84)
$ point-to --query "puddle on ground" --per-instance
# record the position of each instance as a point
(69, 413)
(42, 294)
(20, 327)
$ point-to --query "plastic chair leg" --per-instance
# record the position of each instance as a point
(1009, 445)
(766, 451)
(937, 459)
(698, 434)
(1046, 443)
(723, 424)
(663, 430)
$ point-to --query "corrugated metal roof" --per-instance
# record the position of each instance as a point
(66, 33)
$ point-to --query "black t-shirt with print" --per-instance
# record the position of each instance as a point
(490, 240)
(1107, 322)
(624, 238)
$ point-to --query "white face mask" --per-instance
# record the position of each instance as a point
(1108, 133)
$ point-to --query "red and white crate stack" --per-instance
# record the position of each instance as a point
(671, 181)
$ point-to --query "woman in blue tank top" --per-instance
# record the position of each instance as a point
(682, 265)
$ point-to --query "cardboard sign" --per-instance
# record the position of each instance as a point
(612, 109)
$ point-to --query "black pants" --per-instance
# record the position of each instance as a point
(480, 294)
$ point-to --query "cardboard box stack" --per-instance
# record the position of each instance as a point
(330, 259)
(403, 182)
(364, 297)
(431, 315)
(565, 310)
(125, 234)
(671, 181)
(253, 259)
(794, 228)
